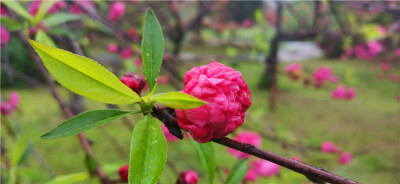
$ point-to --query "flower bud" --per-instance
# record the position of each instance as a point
(116, 11)
(188, 177)
(227, 97)
(112, 48)
(293, 71)
(133, 81)
(123, 172)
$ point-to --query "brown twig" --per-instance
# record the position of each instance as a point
(315, 173)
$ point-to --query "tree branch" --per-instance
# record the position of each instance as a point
(315, 173)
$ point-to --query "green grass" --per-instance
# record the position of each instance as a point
(367, 126)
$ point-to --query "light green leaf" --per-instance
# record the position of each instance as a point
(152, 49)
(43, 9)
(19, 9)
(148, 152)
(84, 76)
(238, 172)
(19, 150)
(33, 174)
(148, 96)
(86, 121)
(206, 154)
(10, 24)
(178, 100)
(58, 18)
(42, 37)
(70, 178)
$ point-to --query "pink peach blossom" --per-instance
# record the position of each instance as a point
(265, 168)
(345, 158)
(5, 36)
(139, 62)
(247, 23)
(362, 52)
(398, 53)
(334, 79)
(3, 11)
(393, 77)
(227, 97)
(126, 52)
(75, 9)
(293, 70)
(350, 93)
(321, 75)
(251, 176)
(116, 11)
(339, 92)
(112, 48)
(163, 79)
(246, 137)
(385, 66)
(329, 147)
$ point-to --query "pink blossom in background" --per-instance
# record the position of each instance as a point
(246, 137)
(14, 100)
(132, 31)
(393, 77)
(163, 79)
(123, 172)
(361, 52)
(5, 109)
(134, 1)
(138, 62)
(334, 79)
(350, 93)
(112, 48)
(296, 158)
(75, 9)
(35, 5)
(339, 92)
(227, 97)
(385, 66)
(126, 52)
(374, 47)
(293, 70)
(57, 6)
(188, 177)
(5, 36)
(3, 11)
(265, 168)
(247, 22)
(116, 11)
(251, 176)
(345, 158)
(168, 135)
(329, 147)
(321, 75)
(398, 53)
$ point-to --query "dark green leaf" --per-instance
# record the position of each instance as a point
(148, 152)
(238, 172)
(206, 154)
(86, 121)
(152, 48)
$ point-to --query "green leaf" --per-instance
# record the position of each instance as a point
(148, 152)
(148, 96)
(84, 76)
(19, 150)
(70, 178)
(58, 18)
(178, 100)
(86, 121)
(90, 163)
(19, 9)
(10, 24)
(43, 9)
(42, 37)
(238, 172)
(33, 174)
(152, 48)
(206, 154)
